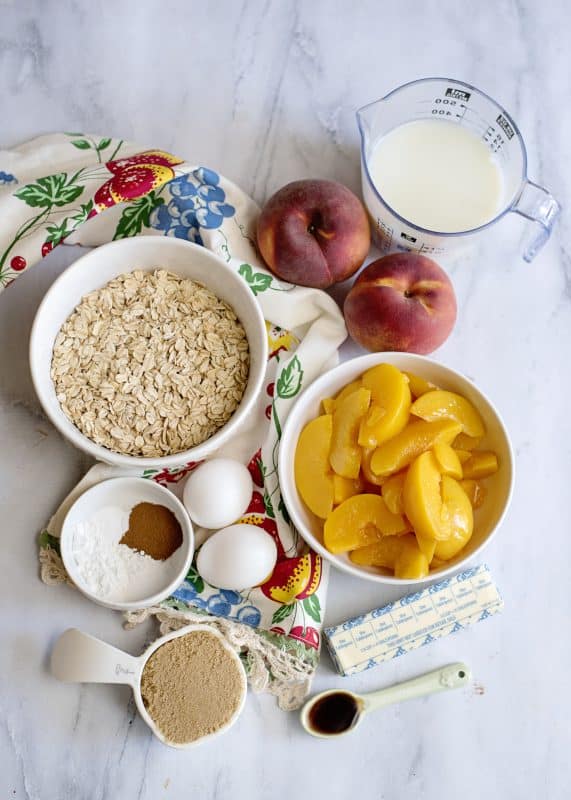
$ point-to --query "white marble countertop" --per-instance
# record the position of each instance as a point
(266, 92)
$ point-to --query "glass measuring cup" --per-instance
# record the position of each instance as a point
(78, 657)
(452, 101)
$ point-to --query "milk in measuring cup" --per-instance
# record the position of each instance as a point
(439, 175)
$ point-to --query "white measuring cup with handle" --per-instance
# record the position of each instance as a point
(452, 101)
(78, 657)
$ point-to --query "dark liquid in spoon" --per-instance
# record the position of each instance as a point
(334, 713)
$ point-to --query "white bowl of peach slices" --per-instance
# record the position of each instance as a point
(395, 468)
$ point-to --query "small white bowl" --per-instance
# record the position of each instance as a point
(487, 518)
(148, 253)
(126, 493)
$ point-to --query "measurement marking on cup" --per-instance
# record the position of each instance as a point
(385, 236)
(428, 248)
(458, 94)
(462, 113)
(493, 138)
(505, 126)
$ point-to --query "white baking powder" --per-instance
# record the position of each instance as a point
(112, 571)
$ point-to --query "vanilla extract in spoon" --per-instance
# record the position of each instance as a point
(334, 713)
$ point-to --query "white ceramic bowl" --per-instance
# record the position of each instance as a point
(487, 518)
(126, 493)
(97, 268)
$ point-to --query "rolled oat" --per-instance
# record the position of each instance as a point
(151, 364)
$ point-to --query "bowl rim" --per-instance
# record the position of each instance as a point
(83, 442)
(286, 455)
(66, 539)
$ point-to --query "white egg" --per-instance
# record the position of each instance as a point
(218, 492)
(237, 557)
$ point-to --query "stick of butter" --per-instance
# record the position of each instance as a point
(413, 621)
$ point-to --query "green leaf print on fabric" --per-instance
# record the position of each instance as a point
(283, 511)
(282, 613)
(57, 233)
(83, 213)
(81, 144)
(289, 381)
(45, 194)
(89, 144)
(268, 505)
(53, 190)
(257, 281)
(312, 605)
(136, 215)
(194, 578)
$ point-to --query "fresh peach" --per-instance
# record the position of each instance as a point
(314, 233)
(403, 301)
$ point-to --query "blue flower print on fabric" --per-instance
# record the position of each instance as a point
(249, 615)
(232, 597)
(6, 178)
(197, 201)
(222, 603)
(219, 606)
(188, 594)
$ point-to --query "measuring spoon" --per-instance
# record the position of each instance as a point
(338, 711)
(78, 657)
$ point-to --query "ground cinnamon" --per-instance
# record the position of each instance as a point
(153, 529)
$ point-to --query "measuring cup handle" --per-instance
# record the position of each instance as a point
(78, 657)
(451, 676)
(538, 205)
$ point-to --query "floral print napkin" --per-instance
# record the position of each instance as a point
(78, 188)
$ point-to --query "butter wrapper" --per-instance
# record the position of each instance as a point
(413, 621)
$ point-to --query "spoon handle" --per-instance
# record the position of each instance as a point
(78, 657)
(452, 676)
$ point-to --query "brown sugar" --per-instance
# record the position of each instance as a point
(154, 530)
(191, 687)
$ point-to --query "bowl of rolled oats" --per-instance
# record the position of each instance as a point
(148, 351)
